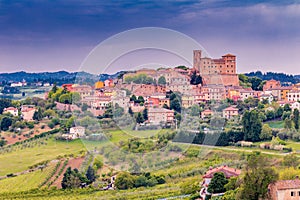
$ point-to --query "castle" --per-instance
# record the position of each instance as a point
(220, 71)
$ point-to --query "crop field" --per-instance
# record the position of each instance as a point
(20, 159)
(26, 181)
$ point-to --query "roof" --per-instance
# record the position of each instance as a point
(207, 111)
(159, 110)
(229, 55)
(287, 184)
(10, 108)
(231, 109)
(228, 172)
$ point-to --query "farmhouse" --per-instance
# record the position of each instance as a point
(158, 115)
(11, 110)
(285, 189)
(230, 112)
(27, 112)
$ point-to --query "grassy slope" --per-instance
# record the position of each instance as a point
(26, 181)
(20, 160)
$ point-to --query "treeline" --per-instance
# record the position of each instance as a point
(273, 75)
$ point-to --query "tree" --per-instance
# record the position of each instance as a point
(195, 110)
(133, 98)
(73, 179)
(38, 115)
(217, 183)
(287, 107)
(251, 126)
(130, 111)
(65, 98)
(139, 118)
(2, 142)
(296, 118)
(175, 103)
(90, 174)
(84, 107)
(5, 123)
(140, 99)
(162, 80)
(288, 123)
(256, 83)
(279, 112)
(291, 160)
(145, 114)
(124, 181)
(195, 78)
(266, 132)
(75, 97)
(4, 103)
(257, 178)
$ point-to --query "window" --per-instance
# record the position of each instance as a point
(298, 193)
(292, 194)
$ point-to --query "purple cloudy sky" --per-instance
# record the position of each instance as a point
(58, 35)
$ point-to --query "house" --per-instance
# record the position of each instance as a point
(268, 97)
(109, 83)
(230, 112)
(206, 113)
(271, 84)
(27, 112)
(293, 95)
(78, 131)
(187, 101)
(11, 110)
(295, 105)
(228, 172)
(136, 107)
(158, 115)
(285, 189)
(99, 85)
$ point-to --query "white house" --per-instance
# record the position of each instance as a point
(11, 110)
(77, 131)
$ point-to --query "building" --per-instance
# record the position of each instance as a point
(285, 189)
(293, 95)
(213, 92)
(27, 112)
(181, 88)
(220, 71)
(230, 112)
(228, 172)
(271, 84)
(99, 85)
(83, 90)
(160, 115)
(11, 110)
(268, 97)
(206, 113)
(78, 131)
(187, 101)
(109, 83)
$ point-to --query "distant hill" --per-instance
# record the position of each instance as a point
(59, 77)
(283, 78)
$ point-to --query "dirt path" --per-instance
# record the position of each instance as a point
(73, 163)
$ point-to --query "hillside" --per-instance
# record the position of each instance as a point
(283, 78)
(59, 77)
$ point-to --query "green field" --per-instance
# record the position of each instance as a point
(20, 159)
(27, 181)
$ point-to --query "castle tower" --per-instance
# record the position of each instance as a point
(197, 60)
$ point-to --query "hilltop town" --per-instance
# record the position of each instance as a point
(160, 113)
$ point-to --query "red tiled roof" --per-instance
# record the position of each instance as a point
(287, 184)
(231, 109)
(229, 55)
(228, 172)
